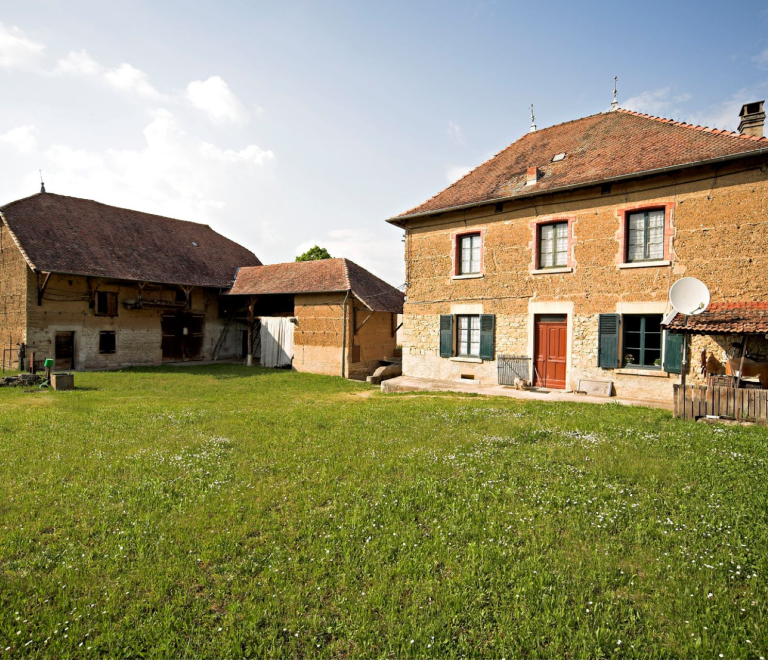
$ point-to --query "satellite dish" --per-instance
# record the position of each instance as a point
(689, 296)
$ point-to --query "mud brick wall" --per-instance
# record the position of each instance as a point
(318, 333)
(375, 339)
(717, 231)
(66, 307)
(318, 336)
(13, 291)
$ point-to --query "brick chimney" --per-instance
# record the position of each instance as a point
(752, 119)
(531, 176)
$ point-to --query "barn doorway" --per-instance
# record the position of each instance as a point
(64, 351)
(183, 336)
(550, 350)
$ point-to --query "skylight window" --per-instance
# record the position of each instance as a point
(558, 157)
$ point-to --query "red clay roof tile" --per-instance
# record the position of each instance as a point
(725, 318)
(321, 276)
(82, 237)
(598, 148)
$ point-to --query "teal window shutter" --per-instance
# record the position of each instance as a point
(673, 352)
(487, 328)
(446, 335)
(608, 341)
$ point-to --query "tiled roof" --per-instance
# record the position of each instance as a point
(597, 148)
(320, 276)
(82, 237)
(725, 318)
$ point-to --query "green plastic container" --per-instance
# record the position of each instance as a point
(48, 364)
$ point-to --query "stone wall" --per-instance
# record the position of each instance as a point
(13, 291)
(717, 231)
(66, 306)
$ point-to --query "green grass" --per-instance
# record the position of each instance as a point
(226, 512)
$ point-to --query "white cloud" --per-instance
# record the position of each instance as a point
(174, 174)
(373, 251)
(16, 49)
(130, 79)
(125, 78)
(652, 102)
(214, 97)
(78, 63)
(457, 135)
(21, 138)
(456, 172)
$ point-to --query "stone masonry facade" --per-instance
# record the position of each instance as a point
(716, 230)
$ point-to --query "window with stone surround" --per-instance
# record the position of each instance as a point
(641, 340)
(553, 245)
(469, 246)
(468, 335)
(645, 235)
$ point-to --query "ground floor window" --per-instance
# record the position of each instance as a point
(107, 342)
(641, 339)
(468, 335)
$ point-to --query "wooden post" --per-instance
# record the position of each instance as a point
(251, 323)
(741, 363)
(683, 372)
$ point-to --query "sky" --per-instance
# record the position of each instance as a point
(288, 124)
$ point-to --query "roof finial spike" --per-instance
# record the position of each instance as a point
(533, 121)
(614, 103)
(42, 185)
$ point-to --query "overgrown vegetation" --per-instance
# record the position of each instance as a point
(226, 512)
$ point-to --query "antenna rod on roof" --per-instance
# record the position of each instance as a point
(42, 185)
(533, 121)
(614, 103)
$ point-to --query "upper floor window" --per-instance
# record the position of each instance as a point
(645, 235)
(553, 245)
(469, 254)
(106, 303)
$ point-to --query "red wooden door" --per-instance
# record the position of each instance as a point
(550, 349)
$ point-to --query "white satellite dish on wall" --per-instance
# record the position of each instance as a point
(689, 296)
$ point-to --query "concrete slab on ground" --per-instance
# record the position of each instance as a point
(411, 384)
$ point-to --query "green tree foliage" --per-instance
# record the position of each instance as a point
(313, 254)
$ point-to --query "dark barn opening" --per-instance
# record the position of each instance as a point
(183, 336)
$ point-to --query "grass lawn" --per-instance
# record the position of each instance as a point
(226, 512)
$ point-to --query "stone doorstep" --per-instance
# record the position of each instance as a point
(413, 384)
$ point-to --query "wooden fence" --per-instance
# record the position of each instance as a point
(701, 400)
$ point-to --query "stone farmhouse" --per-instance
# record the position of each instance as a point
(99, 287)
(557, 255)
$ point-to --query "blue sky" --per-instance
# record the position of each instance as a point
(285, 124)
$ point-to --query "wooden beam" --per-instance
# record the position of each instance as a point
(41, 288)
(251, 323)
(358, 329)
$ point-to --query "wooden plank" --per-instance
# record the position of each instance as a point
(676, 401)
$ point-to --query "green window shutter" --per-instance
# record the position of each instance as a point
(446, 335)
(487, 326)
(608, 341)
(673, 353)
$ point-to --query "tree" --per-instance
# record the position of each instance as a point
(313, 254)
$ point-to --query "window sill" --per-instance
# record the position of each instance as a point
(652, 373)
(552, 271)
(646, 264)
(460, 358)
(468, 276)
